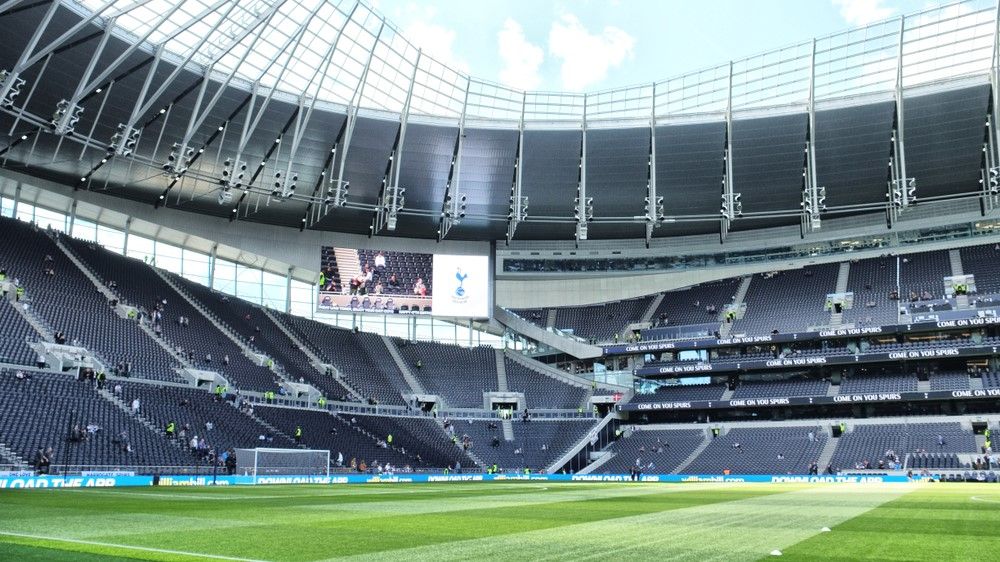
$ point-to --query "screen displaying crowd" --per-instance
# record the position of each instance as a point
(377, 280)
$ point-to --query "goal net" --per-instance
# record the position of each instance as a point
(264, 462)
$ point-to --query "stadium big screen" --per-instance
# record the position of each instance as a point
(387, 281)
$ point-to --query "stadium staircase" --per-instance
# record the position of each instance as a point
(923, 386)
(843, 274)
(600, 458)
(647, 316)
(737, 304)
(508, 430)
(727, 394)
(121, 310)
(501, 372)
(411, 380)
(582, 444)
(826, 455)
(980, 441)
(255, 356)
(44, 331)
(348, 265)
(550, 320)
(955, 257)
(314, 359)
(475, 458)
(694, 454)
(120, 404)
(644, 321)
(275, 431)
(101, 287)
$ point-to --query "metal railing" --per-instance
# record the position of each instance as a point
(376, 68)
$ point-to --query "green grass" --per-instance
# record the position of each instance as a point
(503, 521)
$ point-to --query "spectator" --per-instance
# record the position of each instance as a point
(135, 406)
(41, 462)
(419, 288)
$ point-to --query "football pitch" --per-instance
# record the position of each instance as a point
(505, 521)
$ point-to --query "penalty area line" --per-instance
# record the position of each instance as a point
(987, 500)
(127, 547)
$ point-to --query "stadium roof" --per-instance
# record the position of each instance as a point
(331, 109)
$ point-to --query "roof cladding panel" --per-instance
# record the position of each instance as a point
(424, 166)
(365, 166)
(768, 158)
(550, 174)
(368, 157)
(617, 173)
(852, 153)
(943, 134)
(689, 166)
(486, 175)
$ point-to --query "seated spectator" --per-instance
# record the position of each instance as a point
(419, 288)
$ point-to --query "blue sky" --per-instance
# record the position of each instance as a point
(589, 45)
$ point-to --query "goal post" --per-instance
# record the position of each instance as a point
(285, 462)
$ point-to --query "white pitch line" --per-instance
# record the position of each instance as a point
(343, 491)
(129, 547)
(987, 500)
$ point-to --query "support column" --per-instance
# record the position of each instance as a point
(126, 231)
(901, 187)
(288, 291)
(212, 256)
(990, 178)
(72, 218)
(17, 200)
(654, 203)
(731, 205)
(813, 195)
(518, 203)
(584, 205)
(451, 192)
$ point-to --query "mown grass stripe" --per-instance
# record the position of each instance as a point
(738, 529)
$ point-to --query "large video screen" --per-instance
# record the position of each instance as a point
(404, 282)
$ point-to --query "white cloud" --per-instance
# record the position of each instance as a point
(521, 58)
(438, 42)
(587, 57)
(863, 12)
